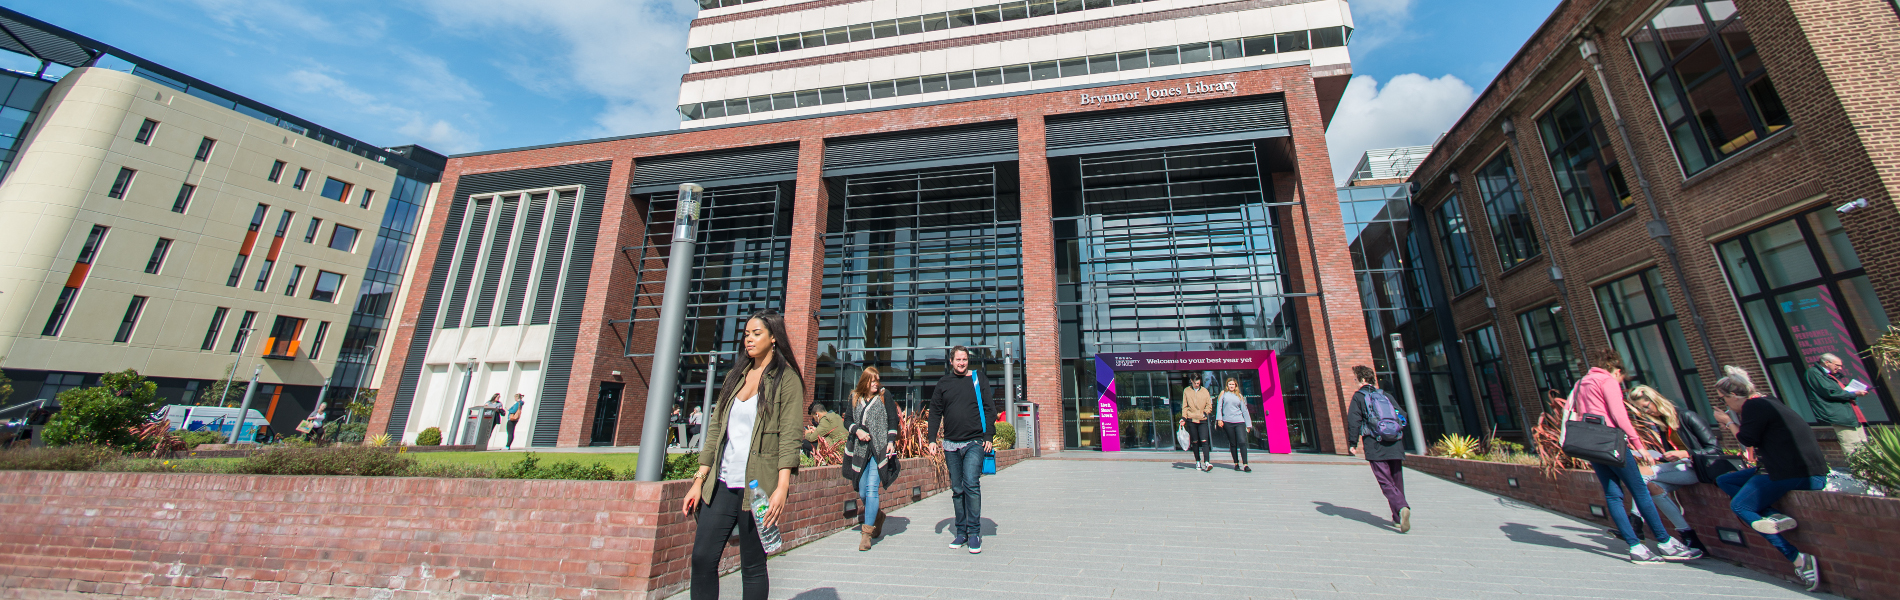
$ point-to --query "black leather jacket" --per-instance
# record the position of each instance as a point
(1695, 434)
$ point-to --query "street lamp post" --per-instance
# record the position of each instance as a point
(244, 409)
(455, 414)
(244, 336)
(1411, 401)
(672, 327)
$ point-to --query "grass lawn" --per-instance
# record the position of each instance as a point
(619, 461)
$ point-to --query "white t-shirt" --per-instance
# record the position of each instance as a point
(738, 448)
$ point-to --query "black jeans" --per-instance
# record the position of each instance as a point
(717, 519)
(1198, 441)
(511, 432)
(1236, 440)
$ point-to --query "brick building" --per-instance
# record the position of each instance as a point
(1048, 183)
(1673, 179)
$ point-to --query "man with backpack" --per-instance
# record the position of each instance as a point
(1377, 429)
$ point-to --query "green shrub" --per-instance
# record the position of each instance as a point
(349, 433)
(1505, 446)
(429, 437)
(335, 460)
(193, 438)
(529, 467)
(1878, 461)
(66, 458)
(681, 466)
(1005, 436)
(105, 415)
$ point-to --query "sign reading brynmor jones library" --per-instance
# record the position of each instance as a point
(1152, 93)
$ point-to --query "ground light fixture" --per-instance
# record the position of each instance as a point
(1597, 510)
(1732, 537)
(1511, 481)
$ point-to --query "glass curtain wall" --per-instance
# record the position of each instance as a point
(1170, 250)
(1642, 325)
(1804, 292)
(1385, 248)
(917, 262)
(739, 267)
(374, 303)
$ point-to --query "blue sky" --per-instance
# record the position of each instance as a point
(466, 75)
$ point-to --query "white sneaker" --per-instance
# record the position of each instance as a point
(1809, 569)
(1774, 523)
(1640, 554)
(1675, 550)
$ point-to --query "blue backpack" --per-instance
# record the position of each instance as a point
(1383, 421)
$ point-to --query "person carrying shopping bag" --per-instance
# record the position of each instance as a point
(1600, 394)
(870, 450)
(1196, 405)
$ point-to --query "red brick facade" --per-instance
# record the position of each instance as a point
(1331, 323)
(1831, 61)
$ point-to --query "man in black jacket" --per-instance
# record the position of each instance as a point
(957, 406)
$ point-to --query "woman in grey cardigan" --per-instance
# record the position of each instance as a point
(870, 450)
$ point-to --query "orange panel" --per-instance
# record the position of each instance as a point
(276, 245)
(293, 348)
(275, 395)
(250, 241)
(79, 275)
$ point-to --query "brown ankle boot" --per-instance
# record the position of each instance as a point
(864, 543)
(877, 528)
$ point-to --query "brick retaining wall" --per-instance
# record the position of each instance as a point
(261, 536)
(1855, 536)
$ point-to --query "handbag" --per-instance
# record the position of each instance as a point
(1590, 439)
(1710, 466)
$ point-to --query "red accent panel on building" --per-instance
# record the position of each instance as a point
(250, 241)
(78, 276)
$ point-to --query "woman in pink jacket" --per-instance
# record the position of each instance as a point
(1601, 393)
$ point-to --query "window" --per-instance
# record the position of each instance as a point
(130, 320)
(277, 171)
(263, 275)
(1804, 292)
(1511, 227)
(368, 194)
(1711, 91)
(94, 239)
(216, 326)
(316, 344)
(1643, 328)
(328, 285)
(1588, 176)
(303, 177)
(257, 216)
(284, 334)
(183, 201)
(237, 270)
(1457, 242)
(57, 320)
(335, 190)
(204, 149)
(1551, 363)
(244, 330)
(310, 235)
(296, 276)
(343, 238)
(283, 223)
(157, 261)
(146, 130)
(1487, 362)
(122, 184)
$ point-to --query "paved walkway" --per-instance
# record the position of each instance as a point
(1119, 529)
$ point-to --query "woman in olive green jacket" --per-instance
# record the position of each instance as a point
(752, 435)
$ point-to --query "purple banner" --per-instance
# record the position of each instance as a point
(1265, 362)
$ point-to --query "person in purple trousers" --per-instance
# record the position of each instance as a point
(1387, 458)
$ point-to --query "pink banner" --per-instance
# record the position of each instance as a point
(1265, 362)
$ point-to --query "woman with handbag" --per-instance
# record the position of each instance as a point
(1681, 436)
(754, 438)
(870, 450)
(1598, 400)
(1789, 460)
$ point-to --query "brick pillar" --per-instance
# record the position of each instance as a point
(1042, 346)
(805, 270)
(599, 349)
(1333, 328)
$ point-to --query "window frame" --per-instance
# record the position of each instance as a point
(215, 329)
(183, 202)
(1562, 346)
(129, 323)
(1502, 233)
(296, 279)
(310, 234)
(157, 261)
(316, 343)
(95, 240)
(1461, 257)
(277, 171)
(1481, 358)
(302, 180)
(1584, 216)
(244, 331)
(343, 193)
(263, 275)
(122, 183)
(368, 196)
(147, 130)
(1666, 74)
(62, 307)
(1675, 347)
(205, 147)
(335, 294)
(355, 235)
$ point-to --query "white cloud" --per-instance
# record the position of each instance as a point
(1410, 110)
(435, 89)
(628, 53)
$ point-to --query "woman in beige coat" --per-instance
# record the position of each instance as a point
(1196, 404)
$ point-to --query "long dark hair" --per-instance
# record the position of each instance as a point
(782, 358)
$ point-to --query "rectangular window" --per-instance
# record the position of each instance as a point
(204, 149)
(146, 130)
(328, 285)
(1711, 91)
(157, 261)
(303, 177)
(316, 343)
(122, 184)
(283, 223)
(244, 331)
(1487, 362)
(343, 238)
(1551, 363)
(1463, 262)
(277, 171)
(1643, 327)
(216, 327)
(1588, 176)
(257, 216)
(284, 335)
(1511, 228)
(263, 275)
(183, 201)
(90, 250)
(335, 189)
(1803, 293)
(237, 270)
(296, 277)
(130, 321)
(368, 195)
(310, 235)
(57, 320)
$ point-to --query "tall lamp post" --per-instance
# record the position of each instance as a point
(1411, 401)
(244, 409)
(455, 414)
(666, 346)
(244, 336)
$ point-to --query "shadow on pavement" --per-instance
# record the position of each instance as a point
(821, 593)
(1334, 510)
(894, 525)
(988, 527)
(1528, 534)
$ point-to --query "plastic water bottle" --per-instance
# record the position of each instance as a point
(768, 536)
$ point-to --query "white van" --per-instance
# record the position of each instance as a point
(211, 418)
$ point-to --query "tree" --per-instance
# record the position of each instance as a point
(6, 388)
(360, 408)
(221, 394)
(107, 414)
